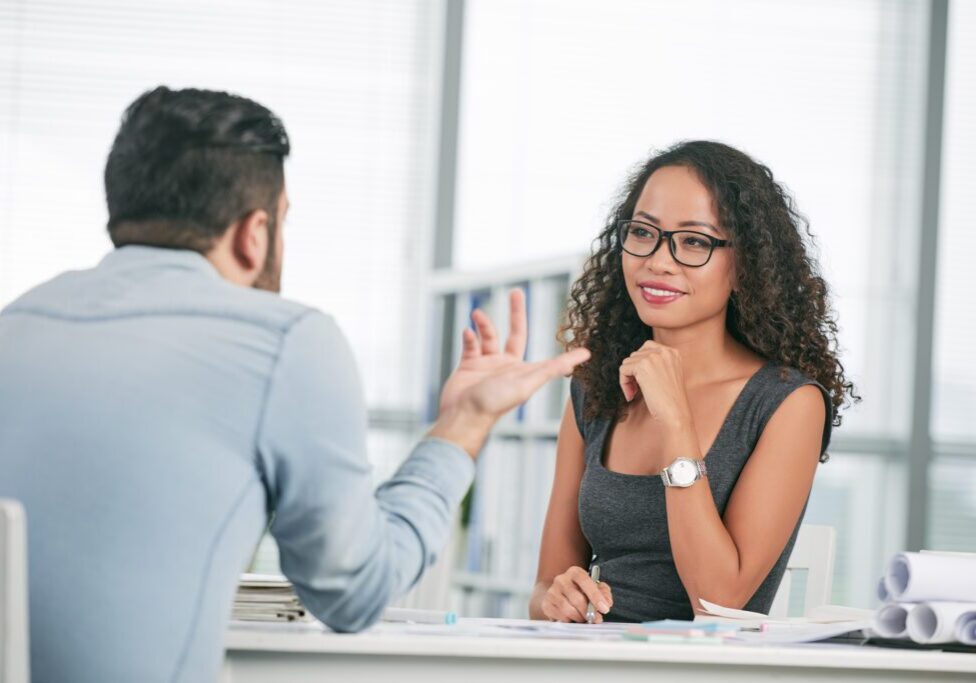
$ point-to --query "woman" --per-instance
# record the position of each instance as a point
(688, 448)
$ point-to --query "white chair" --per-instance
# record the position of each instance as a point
(14, 639)
(813, 552)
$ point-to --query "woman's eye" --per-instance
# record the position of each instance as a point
(695, 242)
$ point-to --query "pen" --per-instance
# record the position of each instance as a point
(590, 609)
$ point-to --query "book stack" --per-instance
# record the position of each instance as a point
(267, 597)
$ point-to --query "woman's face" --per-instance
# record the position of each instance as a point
(667, 294)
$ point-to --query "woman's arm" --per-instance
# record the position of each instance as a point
(725, 561)
(563, 545)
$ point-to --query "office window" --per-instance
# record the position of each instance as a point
(560, 100)
(954, 391)
(952, 482)
(356, 84)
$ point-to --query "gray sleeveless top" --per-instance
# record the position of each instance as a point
(624, 519)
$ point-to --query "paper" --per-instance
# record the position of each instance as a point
(825, 614)
(729, 612)
(891, 620)
(923, 577)
(830, 614)
(809, 633)
(684, 632)
(267, 598)
(518, 628)
(966, 627)
(935, 622)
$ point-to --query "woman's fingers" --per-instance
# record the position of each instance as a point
(607, 593)
(628, 383)
(556, 607)
(591, 590)
(570, 594)
(486, 331)
(566, 587)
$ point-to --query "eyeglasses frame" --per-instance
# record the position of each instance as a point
(715, 242)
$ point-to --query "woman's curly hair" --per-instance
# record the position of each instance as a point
(780, 308)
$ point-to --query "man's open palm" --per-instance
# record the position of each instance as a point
(493, 380)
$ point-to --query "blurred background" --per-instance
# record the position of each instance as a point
(447, 149)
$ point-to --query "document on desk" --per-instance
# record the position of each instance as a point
(828, 621)
(825, 614)
(808, 633)
(514, 628)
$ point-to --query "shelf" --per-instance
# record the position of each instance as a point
(542, 430)
(454, 281)
(484, 583)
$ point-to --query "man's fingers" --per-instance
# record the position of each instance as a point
(531, 376)
(563, 364)
(486, 331)
(517, 332)
(470, 348)
(567, 362)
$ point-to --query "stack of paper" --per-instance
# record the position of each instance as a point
(674, 631)
(822, 623)
(267, 597)
(929, 598)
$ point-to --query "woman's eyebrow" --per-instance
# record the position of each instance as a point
(699, 224)
(682, 224)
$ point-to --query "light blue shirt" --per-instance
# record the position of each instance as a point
(152, 415)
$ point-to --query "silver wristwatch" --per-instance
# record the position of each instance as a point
(683, 472)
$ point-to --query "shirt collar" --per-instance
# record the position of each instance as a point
(140, 256)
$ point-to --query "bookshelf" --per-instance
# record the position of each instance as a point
(496, 547)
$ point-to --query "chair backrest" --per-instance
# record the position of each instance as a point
(814, 553)
(14, 638)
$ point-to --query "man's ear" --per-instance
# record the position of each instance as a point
(250, 241)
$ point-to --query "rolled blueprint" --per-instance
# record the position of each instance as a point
(935, 622)
(966, 626)
(883, 591)
(891, 620)
(925, 577)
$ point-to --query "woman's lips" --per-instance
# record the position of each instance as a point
(654, 294)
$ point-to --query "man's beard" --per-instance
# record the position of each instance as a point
(269, 279)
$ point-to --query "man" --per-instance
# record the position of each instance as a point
(155, 410)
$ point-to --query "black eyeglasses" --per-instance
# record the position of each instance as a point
(688, 247)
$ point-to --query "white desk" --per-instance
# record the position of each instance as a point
(280, 657)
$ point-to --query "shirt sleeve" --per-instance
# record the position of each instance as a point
(347, 549)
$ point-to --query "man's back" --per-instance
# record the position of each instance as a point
(129, 407)
(130, 401)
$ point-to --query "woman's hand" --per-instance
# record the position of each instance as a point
(654, 372)
(571, 592)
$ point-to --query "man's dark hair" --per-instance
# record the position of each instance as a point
(186, 164)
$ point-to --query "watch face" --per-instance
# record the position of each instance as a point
(683, 472)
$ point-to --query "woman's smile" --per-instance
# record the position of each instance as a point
(658, 293)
